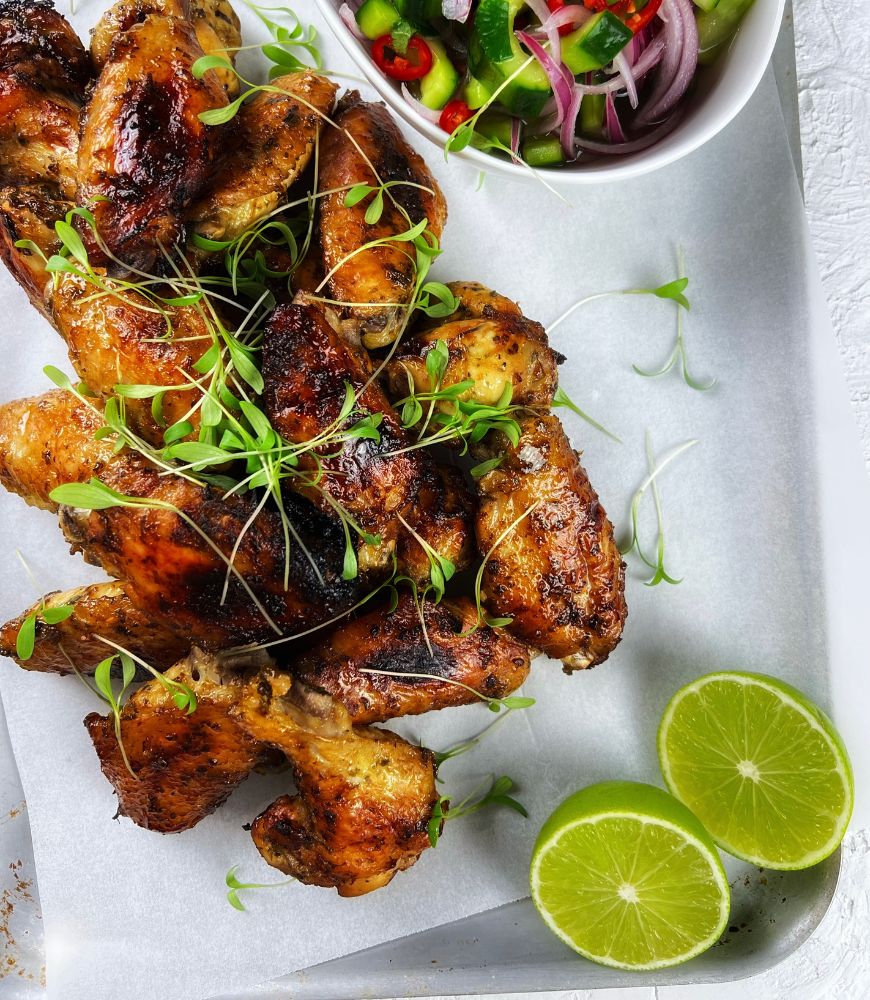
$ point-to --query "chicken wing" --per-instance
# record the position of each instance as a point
(273, 138)
(185, 766)
(557, 572)
(39, 43)
(173, 546)
(366, 147)
(144, 153)
(28, 213)
(488, 660)
(46, 441)
(121, 338)
(101, 609)
(489, 343)
(306, 368)
(365, 796)
(443, 516)
(214, 21)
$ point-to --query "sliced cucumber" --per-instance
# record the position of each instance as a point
(376, 18)
(419, 12)
(543, 152)
(494, 54)
(476, 93)
(595, 43)
(706, 5)
(716, 27)
(496, 127)
(592, 115)
(440, 83)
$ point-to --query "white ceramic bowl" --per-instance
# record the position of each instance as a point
(720, 93)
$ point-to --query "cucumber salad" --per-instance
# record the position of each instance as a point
(546, 81)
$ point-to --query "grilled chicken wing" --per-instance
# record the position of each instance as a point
(144, 153)
(364, 799)
(306, 367)
(367, 148)
(43, 72)
(214, 21)
(28, 213)
(101, 609)
(174, 572)
(39, 135)
(273, 138)
(365, 796)
(488, 660)
(489, 342)
(38, 42)
(558, 573)
(185, 765)
(120, 338)
(46, 441)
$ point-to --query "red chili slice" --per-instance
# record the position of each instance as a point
(453, 115)
(635, 14)
(414, 64)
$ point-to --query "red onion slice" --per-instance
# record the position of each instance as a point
(567, 135)
(622, 65)
(649, 59)
(456, 10)
(573, 15)
(635, 145)
(348, 19)
(611, 121)
(559, 76)
(431, 116)
(660, 104)
(542, 12)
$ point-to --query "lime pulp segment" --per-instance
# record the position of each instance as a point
(628, 878)
(760, 765)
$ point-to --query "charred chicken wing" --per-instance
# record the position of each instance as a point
(144, 153)
(366, 147)
(558, 572)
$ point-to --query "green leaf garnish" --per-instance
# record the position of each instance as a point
(561, 398)
(235, 886)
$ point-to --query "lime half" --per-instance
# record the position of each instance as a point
(628, 877)
(760, 765)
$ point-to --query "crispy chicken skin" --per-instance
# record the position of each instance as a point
(144, 153)
(177, 575)
(214, 21)
(119, 339)
(488, 660)
(273, 137)
(306, 366)
(383, 275)
(185, 765)
(490, 342)
(46, 441)
(365, 796)
(104, 609)
(174, 573)
(37, 41)
(558, 573)
(443, 516)
(39, 135)
(28, 213)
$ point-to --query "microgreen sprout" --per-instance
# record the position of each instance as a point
(25, 641)
(235, 886)
(441, 569)
(512, 703)
(672, 290)
(561, 398)
(678, 354)
(509, 703)
(651, 481)
(482, 797)
(104, 688)
(183, 696)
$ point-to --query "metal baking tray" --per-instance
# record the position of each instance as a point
(504, 950)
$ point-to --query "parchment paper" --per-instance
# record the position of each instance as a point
(135, 914)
